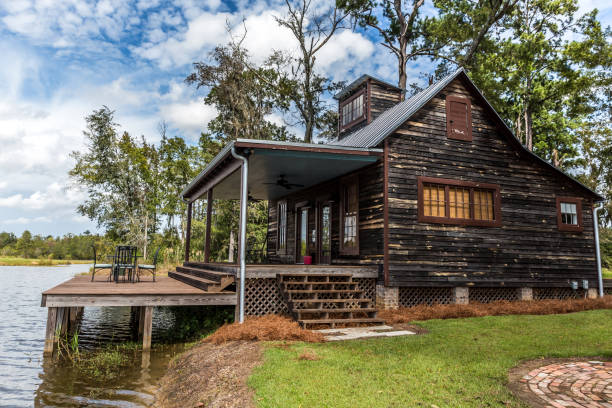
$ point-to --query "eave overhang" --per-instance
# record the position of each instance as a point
(301, 163)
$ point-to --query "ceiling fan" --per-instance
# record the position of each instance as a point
(283, 182)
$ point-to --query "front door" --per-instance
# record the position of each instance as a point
(301, 234)
(325, 233)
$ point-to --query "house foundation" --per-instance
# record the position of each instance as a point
(387, 297)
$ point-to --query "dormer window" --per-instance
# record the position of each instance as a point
(353, 110)
(458, 118)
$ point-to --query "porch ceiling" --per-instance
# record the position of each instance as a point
(299, 163)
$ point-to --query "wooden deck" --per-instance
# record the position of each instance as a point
(261, 271)
(67, 300)
(80, 291)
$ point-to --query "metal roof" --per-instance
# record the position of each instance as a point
(355, 84)
(392, 118)
(374, 133)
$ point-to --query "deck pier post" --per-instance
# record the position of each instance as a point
(140, 312)
(147, 327)
(209, 205)
(188, 232)
(50, 337)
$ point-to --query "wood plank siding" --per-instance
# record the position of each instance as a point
(527, 249)
(370, 218)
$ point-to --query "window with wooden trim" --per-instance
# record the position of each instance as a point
(458, 118)
(569, 214)
(458, 202)
(282, 227)
(353, 110)
(349, 217)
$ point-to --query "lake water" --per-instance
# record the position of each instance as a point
(27, 379)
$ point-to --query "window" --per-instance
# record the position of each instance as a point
(282, 226)
(352, 110)
(458, 118)
(349, 217)
(569, 214)
(458, 202)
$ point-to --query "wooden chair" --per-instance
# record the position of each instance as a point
(152, 268)
(97, 266)
(125, 263)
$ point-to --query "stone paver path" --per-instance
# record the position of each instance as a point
(353, 333)
(586, 384)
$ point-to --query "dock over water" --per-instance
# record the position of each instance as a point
(67, 300)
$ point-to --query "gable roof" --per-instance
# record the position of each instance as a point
(356, 83)
(385, 124)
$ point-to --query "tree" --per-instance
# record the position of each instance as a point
(404, 31)
(244, 96)
(119, 175)
(312, 27)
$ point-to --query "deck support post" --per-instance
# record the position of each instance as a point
(525, 293)
(387, 297)
(188, 232)
(461, 295)
(141, 319)
(147, 327)
(209, 209)
(50, 335)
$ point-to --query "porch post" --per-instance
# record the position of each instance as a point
(209, 205)
(188, 232)
(244, 197)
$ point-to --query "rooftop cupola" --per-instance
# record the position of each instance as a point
(362, 101)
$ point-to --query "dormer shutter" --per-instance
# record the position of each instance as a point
(458, 118)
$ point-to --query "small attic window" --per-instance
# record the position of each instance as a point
(352, 110)
(458, 118)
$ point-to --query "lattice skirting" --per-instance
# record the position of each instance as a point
(557, 293)
(409, 296)
(262, 295)
(487, 295)
(368, 285)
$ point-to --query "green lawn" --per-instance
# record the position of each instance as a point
(607, 273)
(459, 363)
(16, 261)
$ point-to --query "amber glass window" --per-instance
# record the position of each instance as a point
(282, 226)
(434, 203)
(483, 205)
(458, 202)
(349, 220)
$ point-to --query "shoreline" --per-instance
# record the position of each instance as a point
(17, 261)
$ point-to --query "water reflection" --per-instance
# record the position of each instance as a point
(27, 379)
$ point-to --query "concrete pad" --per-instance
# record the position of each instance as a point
(353, 333)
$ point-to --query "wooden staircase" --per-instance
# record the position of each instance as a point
(211, 278)
(326, 300)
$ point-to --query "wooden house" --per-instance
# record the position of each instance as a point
(424, 199)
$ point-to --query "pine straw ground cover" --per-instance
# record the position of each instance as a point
(264, 328)
(499, 308)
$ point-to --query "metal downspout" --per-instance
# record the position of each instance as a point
(596, 230)
(244, 197)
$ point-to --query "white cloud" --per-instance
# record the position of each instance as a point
(192, 117)
(25, 220)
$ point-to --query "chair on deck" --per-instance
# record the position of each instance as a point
(152, 268)
(97, 266)
(125, 263)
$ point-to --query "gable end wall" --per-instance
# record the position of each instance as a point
(527, 250)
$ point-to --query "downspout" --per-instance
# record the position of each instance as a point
(244, 197)
(596, 230)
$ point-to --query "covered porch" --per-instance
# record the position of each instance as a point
(252, 170)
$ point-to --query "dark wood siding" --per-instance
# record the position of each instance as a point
(526, 250)
(370, 219)
(382, 97)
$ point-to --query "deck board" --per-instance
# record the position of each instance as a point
(80, 291)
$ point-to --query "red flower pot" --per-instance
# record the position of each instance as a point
(307, 260)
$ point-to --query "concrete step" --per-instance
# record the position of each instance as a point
(337, 322)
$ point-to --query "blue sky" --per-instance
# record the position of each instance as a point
(64, 58)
